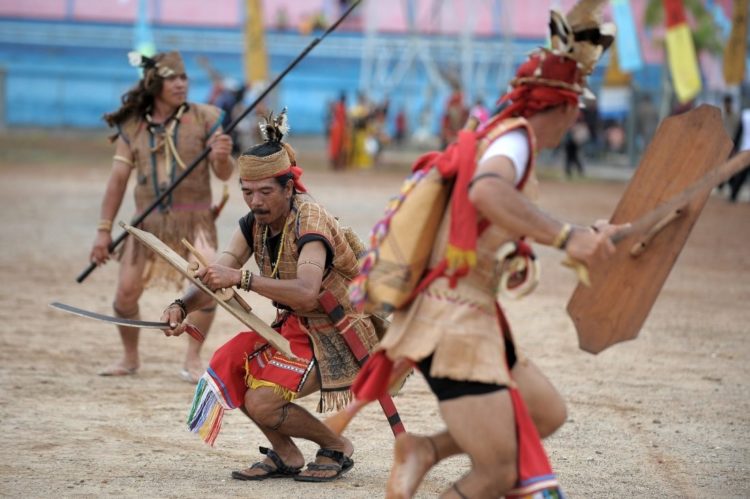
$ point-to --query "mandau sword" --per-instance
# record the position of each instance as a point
(189, 328)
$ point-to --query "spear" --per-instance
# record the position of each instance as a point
(197, 161)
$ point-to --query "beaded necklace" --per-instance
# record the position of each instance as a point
(167, 132)
(281, 249)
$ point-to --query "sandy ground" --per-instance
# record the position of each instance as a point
(665, 415)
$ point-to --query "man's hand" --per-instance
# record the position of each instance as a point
(175, 316)
(588, 246)
(100, 251)
(221, 147)
(217, 276)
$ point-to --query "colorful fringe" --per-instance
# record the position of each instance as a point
(541, 487)
(207, 410)
(254, 383)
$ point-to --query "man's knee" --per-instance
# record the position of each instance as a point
(127, 310)
(266, 407)
(554, 417)
(127, 295)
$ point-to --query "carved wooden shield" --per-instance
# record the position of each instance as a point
(623, 290)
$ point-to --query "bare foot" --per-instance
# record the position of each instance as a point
(121, 368)
(190, 376)
(192, 370)
(413, 457)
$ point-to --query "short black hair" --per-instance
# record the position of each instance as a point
(284, 179)
(263, 149)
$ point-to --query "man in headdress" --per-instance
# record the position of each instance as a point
(158, 133)
(301, 252)
(494, 401)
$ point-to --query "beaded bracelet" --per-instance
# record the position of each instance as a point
(182, 306)
(246, 280)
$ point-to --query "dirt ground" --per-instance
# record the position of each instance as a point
(666, 415)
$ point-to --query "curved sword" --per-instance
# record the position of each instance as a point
(189, 329)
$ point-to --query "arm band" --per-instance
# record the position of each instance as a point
(122, 159)
(485, 175)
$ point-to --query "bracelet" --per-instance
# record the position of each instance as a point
(182, 306)
(310, 262)
(122, 159)
(561, 240)
(246, 280)
(105, 225)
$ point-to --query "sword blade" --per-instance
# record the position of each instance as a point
(106, 318)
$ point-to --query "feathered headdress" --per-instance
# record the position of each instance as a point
(582, 34)
(284, 161)
(274, 129)
(166, 64)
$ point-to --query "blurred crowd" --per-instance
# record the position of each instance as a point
(358, 134)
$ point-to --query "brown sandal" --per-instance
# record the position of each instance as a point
(343, 464)
(281, 470)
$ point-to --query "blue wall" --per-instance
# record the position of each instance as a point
(69, 74)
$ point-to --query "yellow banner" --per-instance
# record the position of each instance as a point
(615, 76)
(734, 53)
(256, 59)
(683, 63)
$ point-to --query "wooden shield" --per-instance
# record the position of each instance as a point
(623, 290)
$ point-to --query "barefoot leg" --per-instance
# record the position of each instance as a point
(413, 458)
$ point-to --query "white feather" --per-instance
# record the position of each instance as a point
(282, 123)
(135, 58)
(561, 35)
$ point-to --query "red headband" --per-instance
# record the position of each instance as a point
(527, 100)
(546, 79)
(296, 172)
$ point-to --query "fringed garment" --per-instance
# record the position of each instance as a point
(464, 328)
(460, 325)
(248, 361)
(160, 154)
(337, 365)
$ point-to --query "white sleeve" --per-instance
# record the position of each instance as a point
(513, 145)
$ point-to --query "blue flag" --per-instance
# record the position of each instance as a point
(628, 46)
(143, 38)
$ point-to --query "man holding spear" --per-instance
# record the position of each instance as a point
(157, 132)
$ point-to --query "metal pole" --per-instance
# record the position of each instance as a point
(3, 75)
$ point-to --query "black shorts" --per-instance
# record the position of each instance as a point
(447, 389)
